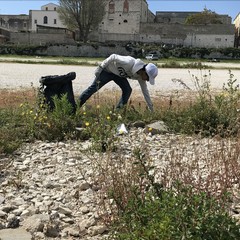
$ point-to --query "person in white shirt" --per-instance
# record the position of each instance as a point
(118, 68)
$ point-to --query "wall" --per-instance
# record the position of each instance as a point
(180, 17)
(83, 51)
(40, 39)
(237, 30)
(210, 40)
(110, 37)
(217, 35)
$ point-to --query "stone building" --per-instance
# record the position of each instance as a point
(15, 23)
(39, 27)
(47, 16)
(236, 23)
(131, 20)
(180, 17)
(123, 19)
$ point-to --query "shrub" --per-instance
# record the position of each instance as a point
(210, 113)
(178, 214)
(139, 207)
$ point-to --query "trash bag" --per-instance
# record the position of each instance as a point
(58, 85)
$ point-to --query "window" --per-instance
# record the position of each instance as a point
(35, 21)
(24, 24)
(55, 21)
(111, 7)
(45, 20)
(126, 6)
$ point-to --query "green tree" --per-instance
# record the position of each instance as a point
(204, 17)
(81, 15)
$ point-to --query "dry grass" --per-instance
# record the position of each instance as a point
(12, 98)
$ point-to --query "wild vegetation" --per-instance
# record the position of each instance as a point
(134, 201)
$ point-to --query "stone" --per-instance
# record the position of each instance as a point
(2, 199)
(96, 230)
(36, 222)
(158, 127)
(15, 234)
(64, 210)
(2, 214)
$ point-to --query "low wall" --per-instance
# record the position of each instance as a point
(40, 38)
(131, 49)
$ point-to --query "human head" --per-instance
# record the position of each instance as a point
(148, 73)
(152, 72)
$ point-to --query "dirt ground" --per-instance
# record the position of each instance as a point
(19, 81)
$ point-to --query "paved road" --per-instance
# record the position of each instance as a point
(17, 75)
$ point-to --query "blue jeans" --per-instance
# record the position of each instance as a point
(103, 79)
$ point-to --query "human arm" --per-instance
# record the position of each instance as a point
(146, 94)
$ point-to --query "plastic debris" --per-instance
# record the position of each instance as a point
(121, 129)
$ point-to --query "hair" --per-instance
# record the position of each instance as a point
(144, 67)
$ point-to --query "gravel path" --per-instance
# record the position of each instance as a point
(17, 75)
(54, 190)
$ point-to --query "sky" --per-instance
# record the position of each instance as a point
(231, 7)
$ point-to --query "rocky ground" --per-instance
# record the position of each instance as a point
(47, 189)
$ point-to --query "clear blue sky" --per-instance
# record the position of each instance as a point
(232, 8)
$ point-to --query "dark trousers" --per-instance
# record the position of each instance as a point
(103, 79)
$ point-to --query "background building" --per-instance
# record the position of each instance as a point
(124, 21)
(14, 23)
(47, 16)
(237, 30)
(131, 20)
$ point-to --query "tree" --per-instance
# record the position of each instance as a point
(204, 17)
(84, 15)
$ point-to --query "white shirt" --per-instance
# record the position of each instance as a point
(127, 67)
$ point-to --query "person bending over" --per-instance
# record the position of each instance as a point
(119, 68)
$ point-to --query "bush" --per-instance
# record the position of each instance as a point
(142, 208)
(178, 214)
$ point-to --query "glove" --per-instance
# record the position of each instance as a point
(98, 71)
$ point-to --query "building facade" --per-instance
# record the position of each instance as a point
(15, 23)
(125, 16)
(128, 20)
(236, 23)
(47, 16)
(131, 20)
